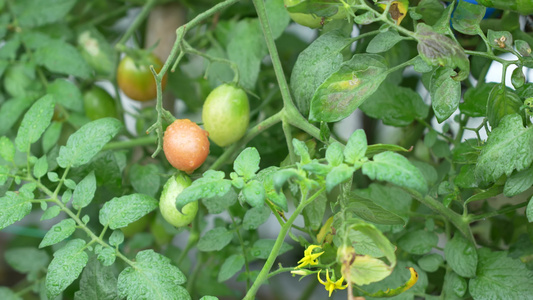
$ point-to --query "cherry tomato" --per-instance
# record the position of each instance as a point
(185, 145)
(136, 80)
(226, 114)
(98, 104)
(167, 204)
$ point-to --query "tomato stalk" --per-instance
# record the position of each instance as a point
(263, 275)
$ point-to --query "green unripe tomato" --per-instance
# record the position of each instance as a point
(167, 204)
(303, 19)
(98, 104)
(226, 114)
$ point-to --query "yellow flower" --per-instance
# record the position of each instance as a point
(329, 285)
(309, 258)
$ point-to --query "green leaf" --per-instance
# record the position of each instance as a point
(105, 255)
(373, 240)
(4, 174)
(454, 287)
(254, 193)
(119, 212)
(500, 277)
(300, 149)
(501, 102)
(255, 216)
(247, 163)
(34, 123)
(467, 16)
(116, 238)
(384, 41)
(41, 167)
(215, 239)
(230, 267)
(338, 175)
(84, 191)
(314, 65)
(518, 182)
(378, 148)
(366, 269)
(418, 242)
(51, 213)
(87, 141)
(209, 298)
(211, 184)
(58, 232)
(346, 89)
(475, 100)
(394, 168)
(13, 207)
(323, 8)
(439, 50)
(518, 79)
(27, 259)
(145, 179)
(60, 57)
(508, 148)
(263, 247)
(445, 93)
(501, 40)
(355, 147)
(7, 149)
(334, 154)
(367, 210)
(153, 277)
(218, 204)
(7, 294)
(246, 49)
(461, 256)
(97, 282)
(395, 105)
(66, 266)
(282, 176)
(51, 136)
(11, 110)
(430, 262)
(314, 212)
(522, 47)
(67, 94)
(34, 14)
(266, 177)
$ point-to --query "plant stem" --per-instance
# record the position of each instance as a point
(473, 218)
(136, 23)
(456, 219)
(263, 275)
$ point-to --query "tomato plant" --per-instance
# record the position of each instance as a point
(386, 154)
(135, 78)
(226, 113)
(98, 103)
(185, 145)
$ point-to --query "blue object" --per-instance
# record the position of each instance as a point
(488, 12)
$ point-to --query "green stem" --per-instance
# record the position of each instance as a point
(243, 249)
(253, 132)
(263, 275)
(136, 23)
(473, 218)
(456, 219)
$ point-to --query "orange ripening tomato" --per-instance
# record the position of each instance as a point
(185, 145)
(136, 80)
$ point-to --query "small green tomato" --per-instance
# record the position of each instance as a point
(167, 204)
